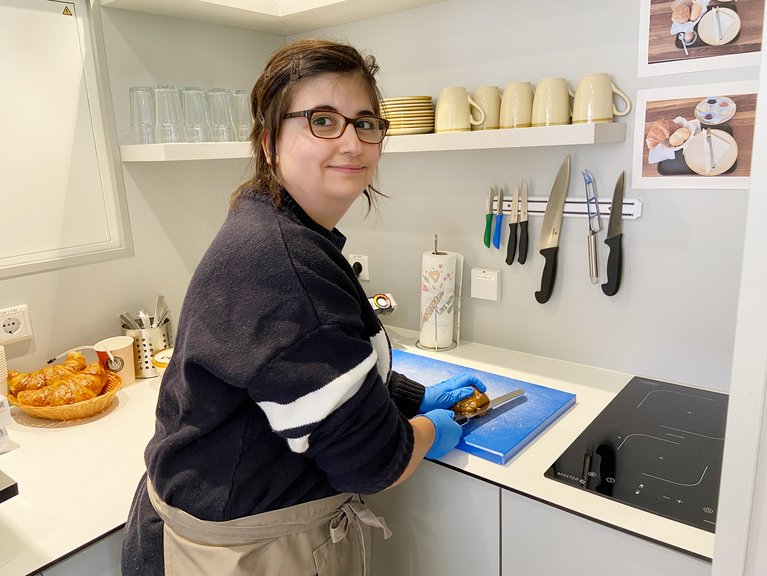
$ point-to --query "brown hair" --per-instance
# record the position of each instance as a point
(271, 95)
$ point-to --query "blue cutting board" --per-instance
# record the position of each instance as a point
(500, 435)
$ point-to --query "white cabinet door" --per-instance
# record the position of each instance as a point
(58, 183)
(443, 523)
(540, 540)
(102, 558)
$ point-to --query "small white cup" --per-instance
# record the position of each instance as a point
(489, 99)
(121, 361)
(517, 105)
(454, 111)
(551, 104)
(594, 100)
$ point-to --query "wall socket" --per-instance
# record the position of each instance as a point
(363, 260)
(14, 324)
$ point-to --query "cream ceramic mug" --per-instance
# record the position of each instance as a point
(454, 111)
(594, 99)
(551, 104)
(489, 99)
(517, 105)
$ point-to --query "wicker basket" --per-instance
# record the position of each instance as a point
(77, 410)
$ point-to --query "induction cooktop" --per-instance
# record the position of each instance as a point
(656, 446)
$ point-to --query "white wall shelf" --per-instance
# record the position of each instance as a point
(570, 135)
(284, 17)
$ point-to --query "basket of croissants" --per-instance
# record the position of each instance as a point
(71, 390)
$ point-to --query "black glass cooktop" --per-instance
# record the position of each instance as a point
(656, 446)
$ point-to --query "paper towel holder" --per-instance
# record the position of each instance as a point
(456, 304)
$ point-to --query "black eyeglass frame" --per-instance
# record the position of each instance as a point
(312, 111)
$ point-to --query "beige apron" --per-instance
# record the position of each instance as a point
(328, 537)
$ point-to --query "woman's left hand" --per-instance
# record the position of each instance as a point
(450, 391)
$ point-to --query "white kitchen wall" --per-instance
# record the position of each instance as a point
(674, 316)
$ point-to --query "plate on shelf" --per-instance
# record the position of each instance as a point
(413, 130)
(709, 26)
(715, 110)
(697, 155)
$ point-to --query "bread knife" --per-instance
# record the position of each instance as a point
(494, 403)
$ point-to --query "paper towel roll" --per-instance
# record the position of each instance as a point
(438, 298)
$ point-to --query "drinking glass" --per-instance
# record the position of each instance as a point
(196, 114)
(243, 121)
(221, 124)
(141, 115)
(168, 125)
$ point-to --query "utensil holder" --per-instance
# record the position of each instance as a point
(146, 343)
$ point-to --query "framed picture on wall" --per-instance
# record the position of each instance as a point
(694, 136)
(693, 35)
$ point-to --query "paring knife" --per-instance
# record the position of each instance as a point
(511, 247)
(498, 219)
(614, 238)
(494, 403)
(550, 230)
(489, 217)
(523, 224)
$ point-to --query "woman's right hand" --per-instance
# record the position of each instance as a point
(447, 432)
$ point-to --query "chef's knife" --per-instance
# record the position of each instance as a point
(489, 218)
(494, 403)
(498, 219)
(522, 258)
(613, 240)
(550, 230)
(511, 247)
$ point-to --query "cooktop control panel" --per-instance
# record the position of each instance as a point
(656, 446)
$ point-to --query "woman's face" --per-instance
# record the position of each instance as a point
(326, 176)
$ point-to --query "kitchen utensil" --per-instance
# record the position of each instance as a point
(129, 321)
(489, 99)
(710, 147)
(498, 219)
(494, 403)
(593, 101)
(517, 105)
(613, 240)
(146, 321)
(456, 111)
(550, 230)
(75, 349)
(522, 258)
(159, 306)
(551, 103)
(489, 217)
(511, 247)
(595, 225)
(147, 342)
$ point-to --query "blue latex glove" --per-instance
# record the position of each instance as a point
(449, 432)
(450, 391)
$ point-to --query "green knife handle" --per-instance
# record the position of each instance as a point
(522, 242)
(488, 228)
(512, 245)
(549, 273)
(614, 265)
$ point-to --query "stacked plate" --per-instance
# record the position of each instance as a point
(409, 114)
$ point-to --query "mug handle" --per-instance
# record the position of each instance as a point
(473, 104)
(625, 99)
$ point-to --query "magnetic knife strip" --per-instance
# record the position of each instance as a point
(632, 207)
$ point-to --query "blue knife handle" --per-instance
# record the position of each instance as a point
(614, 265)
(522, 242)
(549, 273)
(497, 231)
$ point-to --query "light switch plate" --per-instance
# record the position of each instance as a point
(485, 283)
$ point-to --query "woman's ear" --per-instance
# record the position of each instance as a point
(266, 144)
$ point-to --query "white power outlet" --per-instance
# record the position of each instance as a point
(14, 324)
(363, 261)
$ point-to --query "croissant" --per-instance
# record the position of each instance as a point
(471, 404)
(18, 381)
(659, 133)
(61, 392)
(93, 377)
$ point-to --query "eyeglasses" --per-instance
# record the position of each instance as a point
(328, 125)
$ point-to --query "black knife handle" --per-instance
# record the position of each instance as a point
(511, 248)
(549, 273)
(614, 265)
(522, 242)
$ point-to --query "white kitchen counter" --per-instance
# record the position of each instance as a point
(76, 479)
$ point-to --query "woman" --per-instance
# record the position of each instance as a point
(279, 406)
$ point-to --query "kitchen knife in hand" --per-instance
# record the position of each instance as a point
(614, 240)
(550, 230)
(487, 408)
